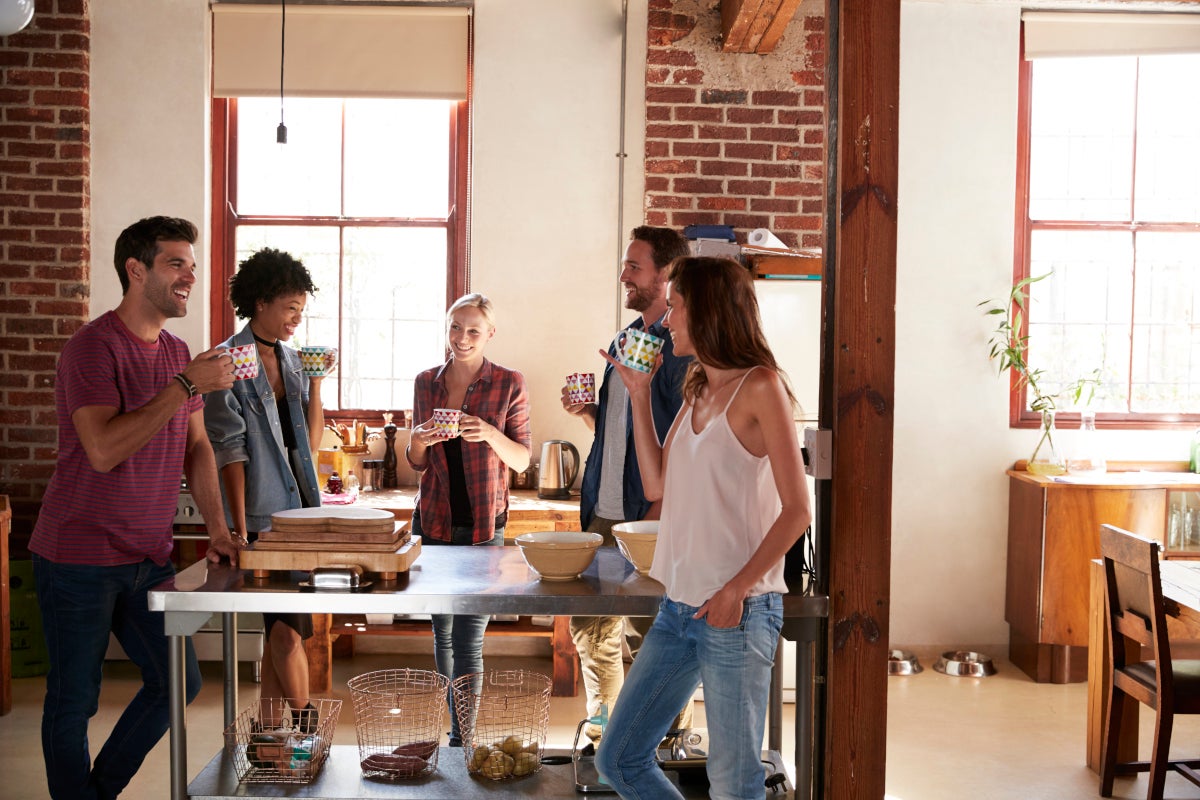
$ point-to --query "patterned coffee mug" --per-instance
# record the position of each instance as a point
(445, 422)
(637, 349)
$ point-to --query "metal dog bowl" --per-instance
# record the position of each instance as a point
(964, 663)
(902, 662)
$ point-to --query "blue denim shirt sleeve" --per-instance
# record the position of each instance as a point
(243, 424)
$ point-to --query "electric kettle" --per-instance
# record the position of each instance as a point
(554, 477)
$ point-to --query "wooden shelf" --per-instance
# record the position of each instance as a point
(796, 266)
(345, 627)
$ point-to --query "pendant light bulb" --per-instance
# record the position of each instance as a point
(281, 131)
(14, 15)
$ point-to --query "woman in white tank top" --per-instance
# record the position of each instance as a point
(735, 500)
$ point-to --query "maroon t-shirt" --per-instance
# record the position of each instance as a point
(123, 516)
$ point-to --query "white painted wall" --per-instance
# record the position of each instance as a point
(150, 136)
(958, 108)
(545, 240)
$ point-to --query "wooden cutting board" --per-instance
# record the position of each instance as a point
(329, 540)
(386, 565)
(328, 518)
(335, 535)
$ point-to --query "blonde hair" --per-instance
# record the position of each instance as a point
(474, 300)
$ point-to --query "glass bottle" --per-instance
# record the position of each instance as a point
(1046, 458)
(1194, 455)
(1086, 457)
(1175, 533)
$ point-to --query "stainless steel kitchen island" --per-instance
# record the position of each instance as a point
(465, 580)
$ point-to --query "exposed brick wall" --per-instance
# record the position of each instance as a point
(734, 139)
(44, 241)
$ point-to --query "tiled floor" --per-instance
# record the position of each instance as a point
(997, 738)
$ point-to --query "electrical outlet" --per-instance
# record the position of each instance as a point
(818, 445)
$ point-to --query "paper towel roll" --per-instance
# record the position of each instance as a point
(761, 237)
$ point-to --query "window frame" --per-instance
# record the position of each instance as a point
(225, 221)
(1019, 415)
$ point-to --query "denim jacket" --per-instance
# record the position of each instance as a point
(243, 425)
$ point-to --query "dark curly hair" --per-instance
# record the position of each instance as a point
(265, 275)
(667, 244)
(140, 241)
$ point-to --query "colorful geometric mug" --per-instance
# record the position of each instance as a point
(638, 349)
(313, 360)
(445, 422)
(581, 387)
(245, 361)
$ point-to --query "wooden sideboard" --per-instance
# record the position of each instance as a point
(1053, 534)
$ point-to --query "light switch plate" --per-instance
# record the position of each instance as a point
(818, 444)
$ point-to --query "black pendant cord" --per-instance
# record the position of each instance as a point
(263, 341)
(281, 131)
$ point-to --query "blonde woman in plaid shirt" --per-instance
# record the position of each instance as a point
(462, 497)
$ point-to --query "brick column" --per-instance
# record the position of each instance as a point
(731, 138)
(44, 238)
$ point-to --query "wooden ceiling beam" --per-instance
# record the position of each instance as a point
(754, 26)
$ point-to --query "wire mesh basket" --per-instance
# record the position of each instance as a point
(271, 743)
(399, 716)
(503, 716)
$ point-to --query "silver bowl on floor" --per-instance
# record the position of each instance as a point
(902, 662)
(965, 664)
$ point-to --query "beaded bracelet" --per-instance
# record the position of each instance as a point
(186, 384)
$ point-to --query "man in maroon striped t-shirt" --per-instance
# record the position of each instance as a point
(130, 420)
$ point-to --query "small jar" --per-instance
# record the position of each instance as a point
(334, 485)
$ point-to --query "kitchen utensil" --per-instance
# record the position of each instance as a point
(445, 422)
(636, 541)
(556, 475)
(314, 360)
(637, 349)
(583, 759)
(559, 555)
(245, 361)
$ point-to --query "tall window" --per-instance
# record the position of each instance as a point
(1110, 213)
(367, 193)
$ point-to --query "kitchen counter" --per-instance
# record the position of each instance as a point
(473, 580)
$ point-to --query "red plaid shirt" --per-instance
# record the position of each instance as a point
(498, 396)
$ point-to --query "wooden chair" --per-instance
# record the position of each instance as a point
(1136, 627)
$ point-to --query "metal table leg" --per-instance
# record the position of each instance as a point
(229, 634)
(775, 703)
(176, 662)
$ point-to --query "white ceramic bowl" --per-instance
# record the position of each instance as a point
(559, 555)
(636, 541)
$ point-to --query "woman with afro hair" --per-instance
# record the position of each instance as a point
(263, 432)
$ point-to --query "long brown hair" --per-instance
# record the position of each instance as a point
(723, 322)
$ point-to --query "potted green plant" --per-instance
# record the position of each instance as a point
(1009, 346)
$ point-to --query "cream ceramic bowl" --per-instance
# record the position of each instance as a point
(636, 541)
(558, 555)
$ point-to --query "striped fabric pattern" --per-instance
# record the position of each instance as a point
(123, 516)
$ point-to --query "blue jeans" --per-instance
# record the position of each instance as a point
(458, 638)
(80, 605)
(677, 655)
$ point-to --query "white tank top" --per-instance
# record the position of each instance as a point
(719, 501)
